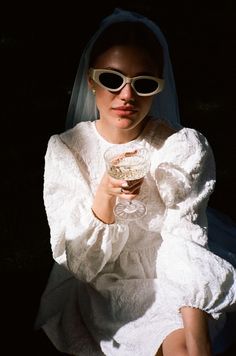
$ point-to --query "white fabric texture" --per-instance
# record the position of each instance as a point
(127, 281)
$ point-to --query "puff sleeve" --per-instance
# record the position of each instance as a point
(79, 240)
(188, 272)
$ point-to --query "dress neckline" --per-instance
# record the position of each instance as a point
(101, 138)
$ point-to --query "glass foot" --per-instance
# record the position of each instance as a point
(130, 210)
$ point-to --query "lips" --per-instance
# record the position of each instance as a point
(125, 110)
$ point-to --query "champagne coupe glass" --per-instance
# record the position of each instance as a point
(129, 162)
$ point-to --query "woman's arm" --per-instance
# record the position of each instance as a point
(189, 274)
(79, 240)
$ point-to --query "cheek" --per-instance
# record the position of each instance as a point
(103, 98)
(147, 103)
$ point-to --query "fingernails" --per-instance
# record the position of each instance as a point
(124, 184)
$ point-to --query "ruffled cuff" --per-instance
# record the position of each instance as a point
(173, 183)
(89, 246)
(196, 278)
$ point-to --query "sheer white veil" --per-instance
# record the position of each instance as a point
(82, 105)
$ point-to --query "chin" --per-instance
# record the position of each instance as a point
(125, 123)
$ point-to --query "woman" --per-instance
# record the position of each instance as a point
(150, 286)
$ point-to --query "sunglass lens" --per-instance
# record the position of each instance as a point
(145, 86)
(111, 80)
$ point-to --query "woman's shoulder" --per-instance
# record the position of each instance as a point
(160, 133)
(189, 139)
(189, 134)
(178, 145)
(74, 137)
(163, 132)
(156, 132)
(188, 145)
(188, 148)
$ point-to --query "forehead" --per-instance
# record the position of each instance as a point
(125, 58)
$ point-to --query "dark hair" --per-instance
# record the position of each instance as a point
(128, 33)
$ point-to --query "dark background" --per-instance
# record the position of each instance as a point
(40, 50)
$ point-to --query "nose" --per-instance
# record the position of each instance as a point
(127, 92)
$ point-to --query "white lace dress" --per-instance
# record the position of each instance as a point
(123, 284)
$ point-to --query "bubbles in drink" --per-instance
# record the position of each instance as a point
(128, 166)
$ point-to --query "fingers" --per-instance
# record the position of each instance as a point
(127, 189)
(120, 188)
(123, 193)
(133, 186)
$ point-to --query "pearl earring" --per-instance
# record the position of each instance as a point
(93, 91)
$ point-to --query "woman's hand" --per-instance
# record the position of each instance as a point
(107, 192)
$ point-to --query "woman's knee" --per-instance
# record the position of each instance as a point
(175, 344)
